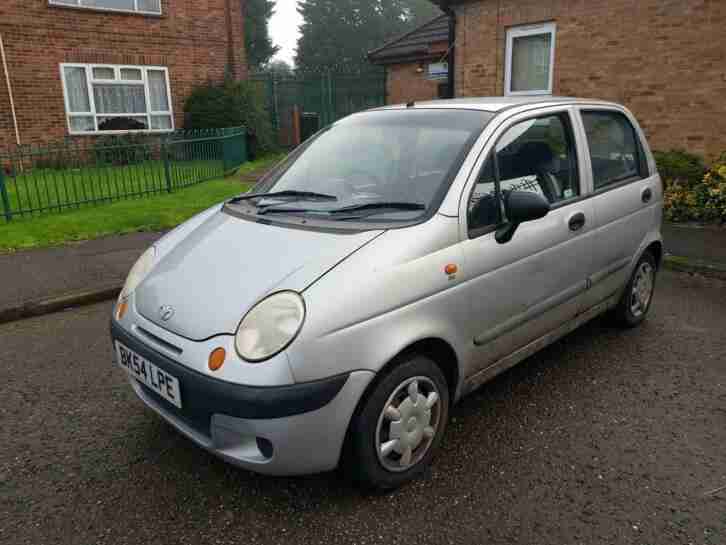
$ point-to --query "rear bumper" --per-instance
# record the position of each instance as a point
(286, 430)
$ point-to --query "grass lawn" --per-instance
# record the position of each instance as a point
(148, 213)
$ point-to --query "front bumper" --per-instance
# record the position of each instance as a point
(285, 430)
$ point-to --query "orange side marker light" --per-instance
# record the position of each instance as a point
(216, 359)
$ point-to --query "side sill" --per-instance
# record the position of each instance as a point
(507, 362)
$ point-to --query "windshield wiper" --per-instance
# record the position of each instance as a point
(288, 195)
(349, 212)
(378, 206)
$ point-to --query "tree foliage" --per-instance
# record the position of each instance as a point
(337, 34)
(231, 104)
(279, 68)
(258, 43)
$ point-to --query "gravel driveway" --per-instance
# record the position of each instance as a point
(607, 437)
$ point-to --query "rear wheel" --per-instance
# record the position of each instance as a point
(399, 425)
(635, 302)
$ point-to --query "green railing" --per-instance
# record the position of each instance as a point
(76, 173)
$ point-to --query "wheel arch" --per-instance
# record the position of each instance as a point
(656, 248)
(438, 350)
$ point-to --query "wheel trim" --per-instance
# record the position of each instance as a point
(642, 289)
(408, 424)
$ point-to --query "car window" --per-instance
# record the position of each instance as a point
(535, 155)
(614, 149)
(538, 155)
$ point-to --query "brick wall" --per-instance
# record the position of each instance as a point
(404, 83)
(664, 59)
(189, 38)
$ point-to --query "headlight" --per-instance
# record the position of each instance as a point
(138, 272)
(270, 326)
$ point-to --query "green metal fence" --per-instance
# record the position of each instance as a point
(326, 96)
(75, 173)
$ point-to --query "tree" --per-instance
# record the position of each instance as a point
(337, 34)
(422, 11)
(258, 43)
(279, 68)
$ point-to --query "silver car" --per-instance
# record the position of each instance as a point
(390, 265)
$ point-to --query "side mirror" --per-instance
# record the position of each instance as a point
(521, 206)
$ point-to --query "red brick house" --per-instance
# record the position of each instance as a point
(664, 59)
(90, 67)
(416, 63)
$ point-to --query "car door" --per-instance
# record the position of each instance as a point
(520, 290)
(625, 195)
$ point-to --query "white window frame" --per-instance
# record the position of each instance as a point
(529, 30)
(88, 68)
(81, 5)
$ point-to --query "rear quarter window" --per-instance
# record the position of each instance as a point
(616, 153)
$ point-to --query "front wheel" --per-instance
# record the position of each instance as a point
(635, 302)
(399, 425)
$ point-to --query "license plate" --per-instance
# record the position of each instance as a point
(144, 371)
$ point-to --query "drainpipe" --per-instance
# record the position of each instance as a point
(10, 90)
(448, 10)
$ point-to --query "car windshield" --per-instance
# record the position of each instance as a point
(379, 166)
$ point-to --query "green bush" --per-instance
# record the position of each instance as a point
(680, 166)
(231, 104)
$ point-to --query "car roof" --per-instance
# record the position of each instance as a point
(496, 104)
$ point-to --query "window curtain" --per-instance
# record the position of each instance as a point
(119, 99)
(157, 91)
(531, 62)
(76, 89)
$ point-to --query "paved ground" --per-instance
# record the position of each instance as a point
(49, 272)
(606, 437)
(704, 244)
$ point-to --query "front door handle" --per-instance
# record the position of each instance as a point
(646, 195)
(577, 221)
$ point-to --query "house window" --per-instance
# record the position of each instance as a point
(109, 98)
(530, 60)
(135, 6)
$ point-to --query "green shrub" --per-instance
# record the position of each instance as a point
(231, 104)
(680, 166)
(702, 201)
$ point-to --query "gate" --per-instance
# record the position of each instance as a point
(298, 104)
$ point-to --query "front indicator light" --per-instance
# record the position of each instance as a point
(216, 359)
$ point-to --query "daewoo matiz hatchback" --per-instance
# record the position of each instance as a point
(394, 262)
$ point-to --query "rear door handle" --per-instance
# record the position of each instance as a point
(646, 195)
(577, 221)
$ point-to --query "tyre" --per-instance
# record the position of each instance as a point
(399, 425)
(635, 302)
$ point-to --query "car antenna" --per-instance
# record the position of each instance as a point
(410, 104)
